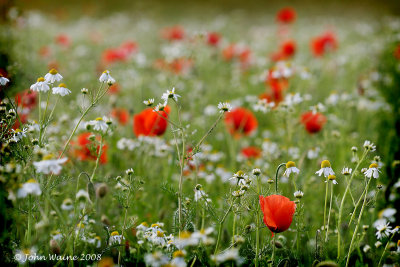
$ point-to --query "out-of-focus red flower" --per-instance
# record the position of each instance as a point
(286, 15)
(396, 52)
(174, 33)
(323, 44)
(278, 212)
(121, 114)
(277, 87)
(53, 65)
(82, 149)
(63, 40)
(286, 51)
(149, 123)
(239, 52)
(45, 51)
(240, 121)
(119, 54)
(114, 89)
(26, 99)
(313, 122)
(24, 119)
(177, 66)
(251, 152)
(213, 38)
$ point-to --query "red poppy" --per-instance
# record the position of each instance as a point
(83, 152)
(313, 122)
(286, 51)
(286, 15)
(240, 120)
(324, 43)
(45, 51)
(173, 33)
(149, 123)
(26, 99)
(239, 52)
(63, 40)
(114, 89)
(251, 152)
(213, 38)
(121, 114)
(397, 52)
(119, 54)
(278, 212)
(23, 117)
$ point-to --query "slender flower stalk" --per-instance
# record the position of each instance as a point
(326, 200)
(342, 203)
(329, 213)
(221, 223)
(258, 222)
(358, 222)
(276, 176)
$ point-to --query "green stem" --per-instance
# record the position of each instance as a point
(273, 250)
(258, 223)
(326, 200)
(384, 250)
(342, 202)
(98, 158)
(329, 214)
(276, 176)
(221, 223)
(358, 222)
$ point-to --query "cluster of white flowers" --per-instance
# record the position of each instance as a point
(105, 77)
(42, 84)
(31, 187)
(49, 165)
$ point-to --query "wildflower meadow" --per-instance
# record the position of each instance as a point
(238, 137)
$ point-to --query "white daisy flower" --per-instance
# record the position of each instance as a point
(326, 169)
(298, 194)
(53, 76)
(156, 259)
(48, 165)
(366, 248)
(24, 255)
(18, 134)
(224, 107)
(290, 168)
(67, 204)
(178, 259)
(199, 193)
(373, 171)
(369, 145)
(160, 107)
(129, 171)
(332, 178)
(40, 86)
(99, 124)
(186, 239)
(82, 194)
(61, 90)
(3, 80)
(170, 94)
(31, 187)
(228, 255)
(203, 234)
(313, 153)
(105, 77)
(256, 172)
(346, 171)
(383, 230)
(149, 102)
(240, 176)
(115, 238)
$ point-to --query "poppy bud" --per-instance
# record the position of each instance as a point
(54, 247)
(105, 220)
(102, 190)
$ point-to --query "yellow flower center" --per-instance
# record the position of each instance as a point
(185, 235)
(17, 130)
(178, 254)
(53, 71)
(26, 251)
(240, 174)
(155, 225)
(114, 233)
(325, 164)
(49, 156)
(290, 164)
(62, 85)
(41, 79)
(160, 234)
(202, 231)
(97, 237)
(331, 177)
(145, 224)
(373, 165)
(80, 225)
(32, 181)
(106, 71)
(99, 119)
